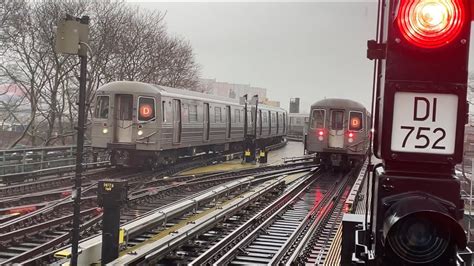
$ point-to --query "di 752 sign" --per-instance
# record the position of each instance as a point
(424, 122)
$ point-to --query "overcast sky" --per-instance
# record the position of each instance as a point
(309, 50)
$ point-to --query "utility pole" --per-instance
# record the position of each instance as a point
(72, 38)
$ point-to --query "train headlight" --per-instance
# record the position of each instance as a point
(321, 138)
(140, 132)
(105, 130)
(350, 140)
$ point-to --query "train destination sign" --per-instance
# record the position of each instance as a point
(424, 123)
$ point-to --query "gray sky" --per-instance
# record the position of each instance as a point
(309, 50)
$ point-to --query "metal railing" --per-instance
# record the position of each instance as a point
(20, 162)
(465, 176)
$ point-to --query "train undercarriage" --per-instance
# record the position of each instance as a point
(155, 160)
(338, 161)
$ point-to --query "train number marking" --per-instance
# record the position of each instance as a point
(427, 141)
(422, 125)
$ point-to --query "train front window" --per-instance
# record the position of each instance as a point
(317, 118)
(146, 109)
(355, 121)
(102, 107)
(337, 120)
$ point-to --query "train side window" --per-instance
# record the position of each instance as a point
(217, 114)
(163, 110)
(193, 113)
(146, 109)
(355, 121)
(237, 116)
(278, 122)
(284, 121)
(270, 123)
(102, 107)
(317, 118)
(337, 119)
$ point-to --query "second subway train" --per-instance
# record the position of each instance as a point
(338, 132)
(146, 124)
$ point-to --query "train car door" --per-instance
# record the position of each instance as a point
(336, 129)
(260, 122)
(123, 118)
(176, 121)
(206, 122)
(228, 121)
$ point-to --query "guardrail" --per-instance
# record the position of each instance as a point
(466, 194)
(15, 163)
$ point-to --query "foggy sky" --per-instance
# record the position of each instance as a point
(310, 50)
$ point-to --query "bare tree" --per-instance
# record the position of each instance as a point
(22, 58)
(127, 44)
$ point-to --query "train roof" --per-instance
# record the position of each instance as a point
(146, 88)
(338, 103)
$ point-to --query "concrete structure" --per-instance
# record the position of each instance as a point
(271, 103)
(294, 105)
(235, 91)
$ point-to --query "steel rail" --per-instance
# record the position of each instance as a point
(333, 219)
(199, 183)
(311, 219)
(281, 219)
(209, 256)
(157, 249)
(91, 247)
(38, 230)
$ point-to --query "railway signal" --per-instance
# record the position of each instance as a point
(423, 109)
(420, 118)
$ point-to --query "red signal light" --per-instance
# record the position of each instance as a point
(146, 110)
(321, 133)
(431, 23)
(351, 135)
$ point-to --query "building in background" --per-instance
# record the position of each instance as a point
(234, 91)
(294, 105)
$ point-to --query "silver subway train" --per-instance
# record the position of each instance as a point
(338, 132)
(146, 124)
(297, 125)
